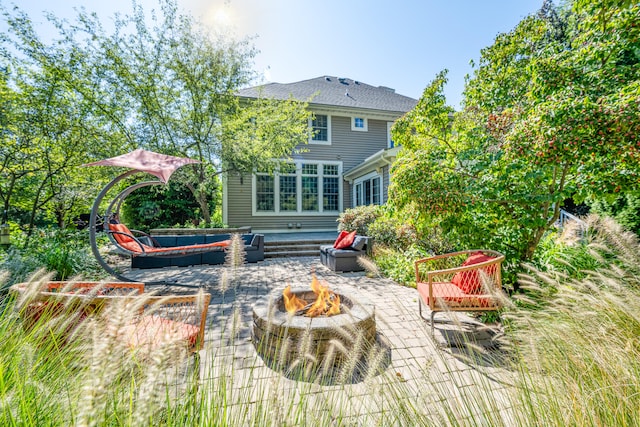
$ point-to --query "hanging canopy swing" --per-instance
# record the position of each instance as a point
(132, 242)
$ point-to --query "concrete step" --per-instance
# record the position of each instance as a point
(316, 242)
(292, 248)
(287, 254)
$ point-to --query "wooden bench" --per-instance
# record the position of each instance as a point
(468, 281)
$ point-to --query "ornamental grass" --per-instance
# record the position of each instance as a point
(570, 356)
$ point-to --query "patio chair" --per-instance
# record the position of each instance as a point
(467, 281)
(168, 319)
(56, 298)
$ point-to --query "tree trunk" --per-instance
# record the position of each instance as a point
(201, 197)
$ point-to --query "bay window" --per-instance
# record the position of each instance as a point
(298, 188)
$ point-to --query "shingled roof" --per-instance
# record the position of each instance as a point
(334, 91)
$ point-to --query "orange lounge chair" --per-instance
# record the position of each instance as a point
(460, 281)
(127, 243)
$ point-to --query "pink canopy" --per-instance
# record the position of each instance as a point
(160, 165)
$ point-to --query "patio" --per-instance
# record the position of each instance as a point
(428, 371)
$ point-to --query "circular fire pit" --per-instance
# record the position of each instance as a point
(312, 345)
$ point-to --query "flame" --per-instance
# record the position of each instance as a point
(327, 302)
(291, 302)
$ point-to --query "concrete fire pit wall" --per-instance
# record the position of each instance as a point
(286, 342)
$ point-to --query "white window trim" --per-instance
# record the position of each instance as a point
(300, 212)
(356, 129)
(389, 140)
(311, 140)
(363, 178)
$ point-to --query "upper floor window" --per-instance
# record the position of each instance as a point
(359, 123)
(320, 129)
(390, 142)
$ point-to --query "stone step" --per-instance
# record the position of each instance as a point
(292, 248)
(316, 242)
(296, 253)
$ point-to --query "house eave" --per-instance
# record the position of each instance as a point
(375, 162)
(371, 113)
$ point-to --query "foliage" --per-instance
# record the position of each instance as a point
(359, 218)
(550, 113)
(160, 207)
(573, 259)
(63, 252)
(551, 356)
(398, 264)
(158, 81)
(569, 367)
(624, 208)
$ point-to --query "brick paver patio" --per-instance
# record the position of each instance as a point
(422, 365)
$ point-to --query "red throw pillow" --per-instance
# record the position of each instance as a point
(340, 237)
(346, 241)
(469, 281)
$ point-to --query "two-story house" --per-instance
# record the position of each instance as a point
(345, 163)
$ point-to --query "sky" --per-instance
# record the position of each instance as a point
(400, 44)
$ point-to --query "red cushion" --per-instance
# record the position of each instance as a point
(469, 281)
(130, 244)
(346, 241)
(126, 241)
(340, 237)
(155, 331)
(449, 296)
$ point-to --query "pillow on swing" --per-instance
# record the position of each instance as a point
(125, 240)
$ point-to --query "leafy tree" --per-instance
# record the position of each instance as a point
(161, 82)
(552, 112)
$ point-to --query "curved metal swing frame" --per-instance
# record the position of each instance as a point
(159, 165)
(113, 210)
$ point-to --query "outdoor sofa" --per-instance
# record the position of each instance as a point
(253, 246)
(345, 259)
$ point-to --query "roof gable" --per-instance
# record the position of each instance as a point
(334, 91)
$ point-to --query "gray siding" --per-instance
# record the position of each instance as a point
(386, 178)
(347, 146)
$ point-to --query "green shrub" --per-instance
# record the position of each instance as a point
(624, 208)
(160, 206)
(398, 264)
(359, 218)
(63, 251)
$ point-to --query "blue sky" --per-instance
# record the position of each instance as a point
(400, 44)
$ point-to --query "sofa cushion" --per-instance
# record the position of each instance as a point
(155, 331)
(469, 281)
(448, 295)
(346, 241)
(358, 243)
(343, 253)
(340, 237)
(325, 248)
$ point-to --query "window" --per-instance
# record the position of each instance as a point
(298, 188)
(359, 124)
(368, 190)
(320, 129)
(265, 193)
(310, 188)
(390, 143)
(331, 186)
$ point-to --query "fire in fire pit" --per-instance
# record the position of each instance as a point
(326, 303)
